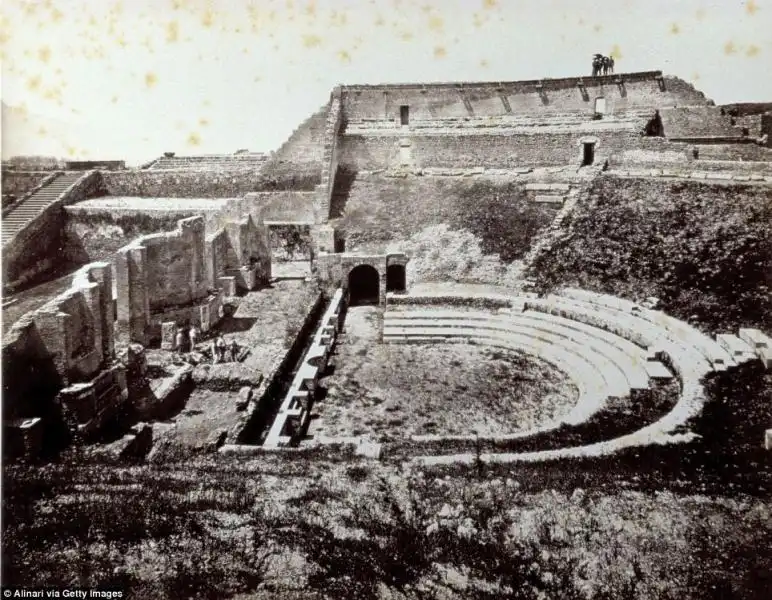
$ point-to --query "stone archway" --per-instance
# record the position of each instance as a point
(395, 278)
(363, 285)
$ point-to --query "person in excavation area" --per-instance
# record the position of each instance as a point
(194, 335)
(220, 346)
(179, 341)
(234, 348)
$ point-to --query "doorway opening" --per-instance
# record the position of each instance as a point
(588, 154)
(363, 285)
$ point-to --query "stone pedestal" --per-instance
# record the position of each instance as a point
(227, 285)
(168, 335)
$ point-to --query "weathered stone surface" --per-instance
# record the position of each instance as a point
(168, 335)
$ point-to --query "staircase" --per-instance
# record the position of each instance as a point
(30, 208)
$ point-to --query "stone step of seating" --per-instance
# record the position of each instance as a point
(613, 374)
(689, 364)
(740, 351)
(717, 356)
(588, 377)
(544, 199)
(760, 343)
(657, 371)
(547, 187)
(632, 365)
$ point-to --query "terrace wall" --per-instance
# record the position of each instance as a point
(461, 150)
(640, 90)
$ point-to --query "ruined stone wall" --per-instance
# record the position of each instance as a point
(159, 271)
(74, 331)
(639, 90)
(95, 236)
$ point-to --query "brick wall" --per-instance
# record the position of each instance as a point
(480, 150)
(641, 90)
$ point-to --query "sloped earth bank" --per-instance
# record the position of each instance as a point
(392, 391)
(702, 247)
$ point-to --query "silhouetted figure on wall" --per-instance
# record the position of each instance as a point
(597, 64)
(610, 64)
(606, 62)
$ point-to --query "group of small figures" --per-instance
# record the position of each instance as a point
(219, 349)
(602, 65)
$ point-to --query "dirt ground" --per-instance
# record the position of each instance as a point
(388, 390)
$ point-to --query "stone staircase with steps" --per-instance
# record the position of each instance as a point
(30, 208)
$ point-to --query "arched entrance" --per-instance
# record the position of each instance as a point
(363, 285)
(395, 278)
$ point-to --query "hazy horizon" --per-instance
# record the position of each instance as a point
(129, 81)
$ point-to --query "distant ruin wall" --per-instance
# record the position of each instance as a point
(488, 150)
(36, 248)
(637, 90)
(203, 184)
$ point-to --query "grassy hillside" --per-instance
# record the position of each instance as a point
(703, 248)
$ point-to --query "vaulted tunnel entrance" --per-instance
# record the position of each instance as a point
(395, 278)
(363, 285)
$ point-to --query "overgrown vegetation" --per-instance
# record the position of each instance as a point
(703, 249)
(215, 528)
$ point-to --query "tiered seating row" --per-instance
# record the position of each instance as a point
(601, 329)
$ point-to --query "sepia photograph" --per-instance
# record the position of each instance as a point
(386, 299)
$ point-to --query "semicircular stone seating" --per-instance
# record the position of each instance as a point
(611, 348)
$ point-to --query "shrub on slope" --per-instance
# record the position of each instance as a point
(703, 249)
(379, 210)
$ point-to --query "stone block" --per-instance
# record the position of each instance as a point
(765, 355)
(549, 199)
(755, 338)
(734, 345)
(245, 395)
(368, 449)
(768, 439)
(227, 285)
(168, 335)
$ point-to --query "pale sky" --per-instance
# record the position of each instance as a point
(104, 79)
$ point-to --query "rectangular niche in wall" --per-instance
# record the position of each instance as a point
(404, 115)
(600, 106)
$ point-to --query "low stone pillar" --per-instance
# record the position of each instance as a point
(227, 285)
(168, 335)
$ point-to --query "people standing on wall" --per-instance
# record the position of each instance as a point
(605, 63)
